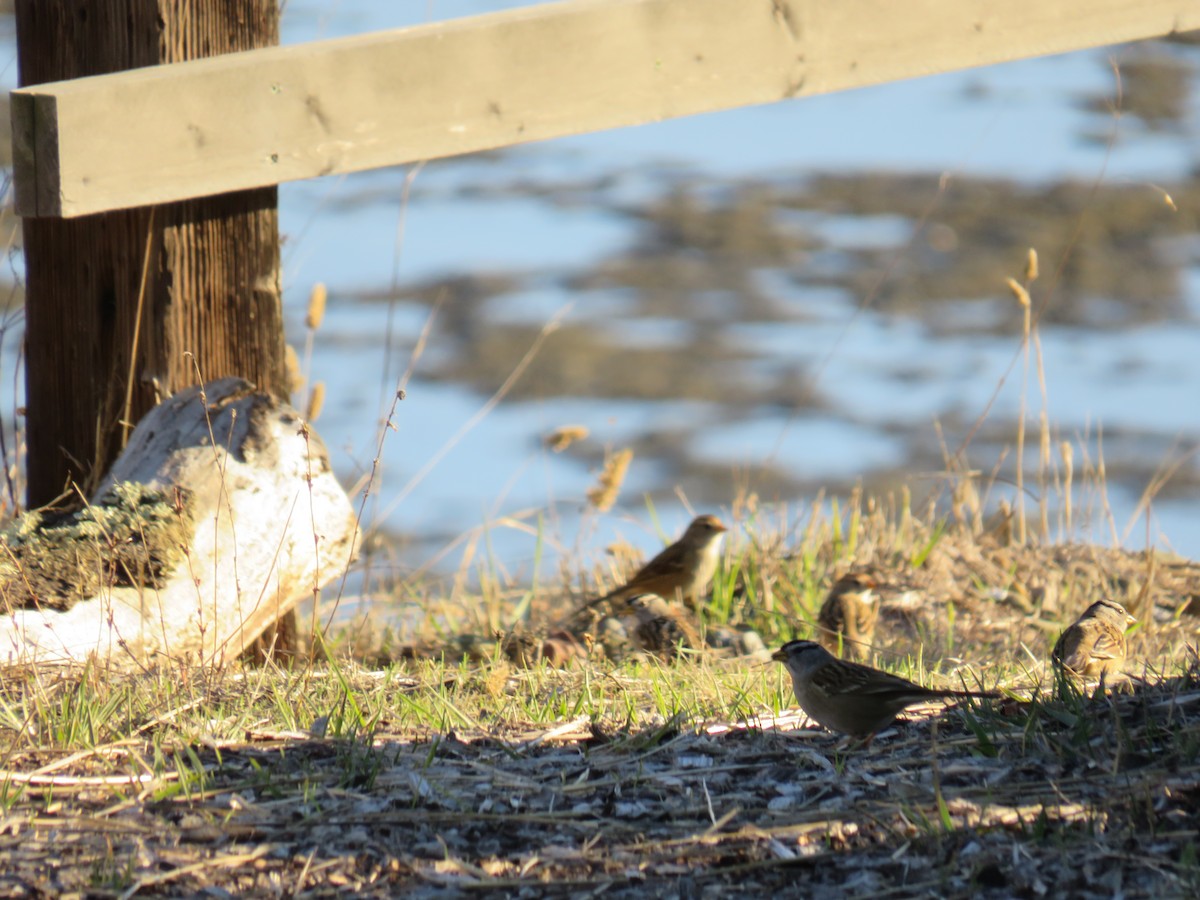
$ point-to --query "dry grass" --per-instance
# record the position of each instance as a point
(467, 773)
(1086, 798)
(447, 769)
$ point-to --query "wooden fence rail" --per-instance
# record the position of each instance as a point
(267, 116)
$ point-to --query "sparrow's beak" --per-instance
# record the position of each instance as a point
(779, 655)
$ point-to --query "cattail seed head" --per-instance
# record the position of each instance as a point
(316, 307)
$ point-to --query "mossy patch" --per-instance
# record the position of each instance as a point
(133, 538)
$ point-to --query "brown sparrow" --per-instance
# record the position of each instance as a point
(1094, 644)
(661, 628)
(847, 697)
(683, 570)
(846, 621)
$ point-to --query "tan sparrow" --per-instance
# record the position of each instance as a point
(661, 627)
(558, 648)
(1094, 645)
(846, 621)
(682, 571)
(847, 697)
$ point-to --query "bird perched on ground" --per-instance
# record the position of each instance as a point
(1094, 645)
(662, 628)
(847, 697)
(682, 571)
(846, 621)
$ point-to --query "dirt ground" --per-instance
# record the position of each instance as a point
(1083, 798)
(1043, 793)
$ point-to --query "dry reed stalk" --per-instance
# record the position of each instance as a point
(316, 306)
(604, 494)
(1031, 274)
(548, 329)
(1031, 266)
(1067, 453)
(316, 400)
(312, 321)
(291, 363)
(1165, 471)
(1022, 296)
(386, 425)
(561, 438)
(905, 527)
(745, 503)
(1043, 471)
(1100, 479)
(127, 416)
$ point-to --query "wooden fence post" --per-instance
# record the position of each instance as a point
(124, 308)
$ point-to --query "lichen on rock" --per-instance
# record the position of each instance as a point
(134, 537)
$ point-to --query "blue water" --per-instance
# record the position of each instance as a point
(880, 376)
(876, 373)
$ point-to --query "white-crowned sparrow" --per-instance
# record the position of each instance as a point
(1094, 645)
(848, 697)
(682, 571)
(846, 620)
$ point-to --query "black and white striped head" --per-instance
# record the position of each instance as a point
(802, 656)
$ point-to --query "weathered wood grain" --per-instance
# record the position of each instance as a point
(273, 115)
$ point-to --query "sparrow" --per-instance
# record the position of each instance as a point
(846, 620)
(1094, 645)
(558, 648)
(680, 572)
(661, 628)
(850, 698)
